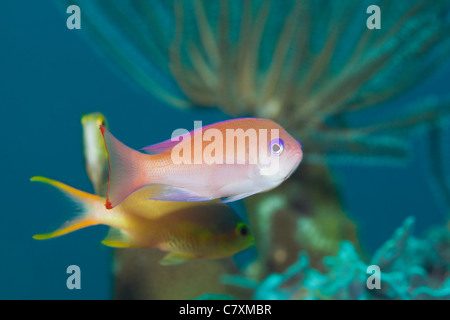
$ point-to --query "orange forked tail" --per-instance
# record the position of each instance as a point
(85, 201)
(125, 174)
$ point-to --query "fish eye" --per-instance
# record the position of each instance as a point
(242, 230)
(276, 146)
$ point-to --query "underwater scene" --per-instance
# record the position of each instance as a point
(225, 149)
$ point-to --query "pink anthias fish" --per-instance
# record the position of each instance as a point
(228, 160)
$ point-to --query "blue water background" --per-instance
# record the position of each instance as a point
(50, 78)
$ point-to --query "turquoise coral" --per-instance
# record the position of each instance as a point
(411, 268)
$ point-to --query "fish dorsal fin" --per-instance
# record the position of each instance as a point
(164, 146)
(118, 239)
(175, 258)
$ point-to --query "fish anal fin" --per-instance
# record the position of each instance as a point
(237, 197)
(174, 258)
(118, 239)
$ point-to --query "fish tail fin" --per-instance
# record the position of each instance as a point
(86, 201)
(125, 174)
(69, 227)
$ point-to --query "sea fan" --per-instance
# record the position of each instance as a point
(311, 65)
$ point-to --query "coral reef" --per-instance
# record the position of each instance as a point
(138, 276)
(408, 268)
(311, 65)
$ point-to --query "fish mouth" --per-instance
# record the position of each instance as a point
(291, 171)
(301, 146)
(298, 156)
(251, 241)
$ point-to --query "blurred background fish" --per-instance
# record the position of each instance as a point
(187, 230)
(95, 154)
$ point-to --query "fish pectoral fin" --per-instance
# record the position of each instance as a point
(170, 193)
(118, 239)
(176, 258)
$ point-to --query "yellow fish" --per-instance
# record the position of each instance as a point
(187, 230)
(97, 165)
